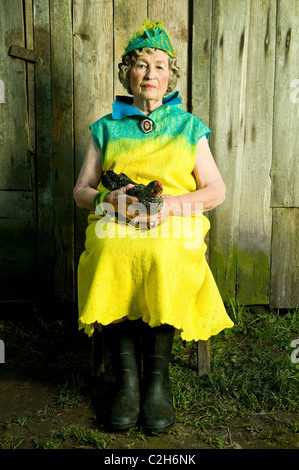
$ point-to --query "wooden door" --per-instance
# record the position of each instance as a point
(36, 154)
(17, 157)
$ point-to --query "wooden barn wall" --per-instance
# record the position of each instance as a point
(239, 64)
(285, 163)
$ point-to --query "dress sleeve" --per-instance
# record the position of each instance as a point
(96, 133)
(202, 130)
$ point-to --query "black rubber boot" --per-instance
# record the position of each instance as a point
(157, 411)
(123, 340)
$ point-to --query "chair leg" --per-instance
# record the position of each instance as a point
(203, 357)
(97, 354)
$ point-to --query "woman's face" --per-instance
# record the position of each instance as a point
(149, 76)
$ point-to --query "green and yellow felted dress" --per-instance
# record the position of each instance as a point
(160, 275)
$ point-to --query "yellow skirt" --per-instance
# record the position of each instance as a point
(160, 275)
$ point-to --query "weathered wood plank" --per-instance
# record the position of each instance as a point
(93, 80)
(17, 224)
(200, 65)
(93, 65)
(16, 232)
(17, 220)
(44, 160)
(230, 21)
(23, 53)
(128, 18)
(285, 167)
(30, 88)
(17, 246)
(175, 16)
(241, 117)
(201, 57)
(255, 216)
(63, 154)
(13, 119)
(16, 204)
(285, 258)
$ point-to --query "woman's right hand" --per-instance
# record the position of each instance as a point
(122, 203)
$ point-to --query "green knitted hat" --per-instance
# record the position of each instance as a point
(152, 34)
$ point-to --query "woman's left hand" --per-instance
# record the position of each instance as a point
(154, 220)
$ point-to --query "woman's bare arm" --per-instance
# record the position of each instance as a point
(89, 177)
(212, 188)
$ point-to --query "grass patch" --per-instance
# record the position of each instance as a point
(70, 394)
(10, 442)
(77, 437)
(251, 371)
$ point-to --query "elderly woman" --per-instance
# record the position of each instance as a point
(138, 284)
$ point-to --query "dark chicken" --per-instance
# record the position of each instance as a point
(149, 195)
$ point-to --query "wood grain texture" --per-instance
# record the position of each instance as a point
(17, 246)
(201, 58)
(44, 160)
(285, 258)
(175, 16)
(285, 167)
(128, 18)
(93, 82)
(13, 116)
(241, 113)
(62, 148)
(17, 200)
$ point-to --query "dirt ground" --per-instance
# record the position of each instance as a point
(38, 401)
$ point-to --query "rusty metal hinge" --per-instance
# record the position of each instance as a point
(25, 54)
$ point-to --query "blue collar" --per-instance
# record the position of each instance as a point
(123, 105)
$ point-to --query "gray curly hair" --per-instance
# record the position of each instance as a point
(130, 59)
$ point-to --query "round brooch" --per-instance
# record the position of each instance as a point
(147, 126)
